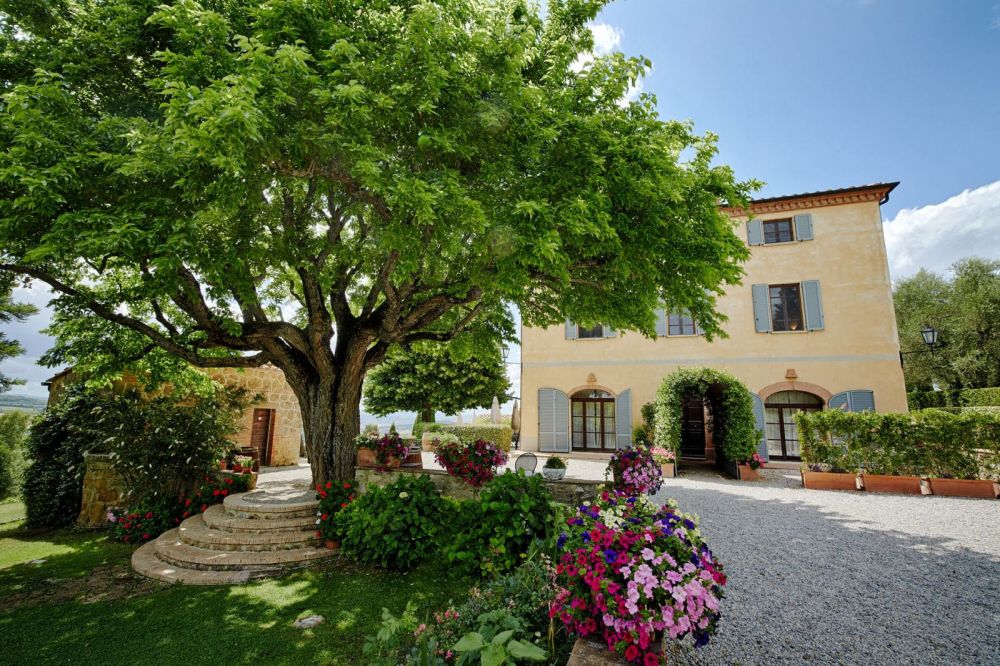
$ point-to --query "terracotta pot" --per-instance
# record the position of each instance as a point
(253, 479)
(366, 458)
(880, 483)
(829, 480)
(427, 441)
(668, 470)
(965, 488)
(237, 468)
(748, 474)
(414, 459)
(331, 544)
(223, 465)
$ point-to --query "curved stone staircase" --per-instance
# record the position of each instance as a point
(250, 535)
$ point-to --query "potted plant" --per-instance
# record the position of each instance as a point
(475, 463)
(414, 459)
(333, 498)
(554, 468)
(666, 459)
(634, 472)
(243, 463)
(749, 467)
(223, 465)
(382, 453)
(826, 477)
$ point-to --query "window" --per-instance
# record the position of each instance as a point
(778, 231)
(592, 332)
(593, 416)
(786, 307)
(679, 324)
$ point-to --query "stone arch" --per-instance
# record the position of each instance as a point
(806, 387)
(592, 387)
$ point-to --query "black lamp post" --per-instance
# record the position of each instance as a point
(930, 337)
(505, 351)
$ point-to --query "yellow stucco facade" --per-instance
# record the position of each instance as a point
(856, 350)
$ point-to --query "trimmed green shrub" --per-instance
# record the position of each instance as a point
(982, 397)
(500, 435)
(397, 526)
(930, 442)
(13, 435)
(492, 535)
(731, 404)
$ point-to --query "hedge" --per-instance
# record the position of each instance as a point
(982, 397)
(931, 442)
(501, 435)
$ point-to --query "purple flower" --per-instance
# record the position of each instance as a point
(561, 541)
(610, 555)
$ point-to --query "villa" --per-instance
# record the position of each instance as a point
(811, 327)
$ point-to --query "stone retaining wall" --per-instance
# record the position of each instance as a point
(567, 491)
(102, 490)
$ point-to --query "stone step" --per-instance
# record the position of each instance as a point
(195, 532)
(172, 550)
(216, 518)
(272, 503)
(146, 563)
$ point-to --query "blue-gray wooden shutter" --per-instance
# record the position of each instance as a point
(571, 330)
(761, 308)
(698, 330)
(860, 400)
(804, 227)
(758, 417)
(813, 302)
(661, 321)
(609, 332)
(755, 232)
(623, 419)
(553, 421)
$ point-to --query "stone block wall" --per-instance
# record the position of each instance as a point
(270, 383)
(567, 491)
(102, 490)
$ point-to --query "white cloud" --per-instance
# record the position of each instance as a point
(936, 236)
(607, 38)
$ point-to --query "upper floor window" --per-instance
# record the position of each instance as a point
(592, 332)
(778, 231)
(680, 324)
(575, 331)
(786, 307)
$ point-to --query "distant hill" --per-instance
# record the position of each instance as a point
(10, 401)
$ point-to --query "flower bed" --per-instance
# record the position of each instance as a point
(630, 572)
(387, 451)
(635, 471)
(333, 497)
(474, 463)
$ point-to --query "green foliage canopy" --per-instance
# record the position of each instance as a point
(433, 377)
(308, 183)
(965, 310)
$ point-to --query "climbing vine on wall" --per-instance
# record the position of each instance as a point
(730, 402)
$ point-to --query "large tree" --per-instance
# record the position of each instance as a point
(434, 376)
(965, 309)
(10, 310)
(309, 183)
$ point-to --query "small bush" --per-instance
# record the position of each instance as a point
(396, 526)
(492, 534)
(501, 435)
(142, 522)
(981, 397)
(334, 497)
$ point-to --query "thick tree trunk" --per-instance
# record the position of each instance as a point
(331, 419)
(427, 414)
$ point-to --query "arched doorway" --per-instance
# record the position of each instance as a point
(593, 421)
(779, 422)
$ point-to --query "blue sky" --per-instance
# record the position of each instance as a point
(810, 95)
(816, 94)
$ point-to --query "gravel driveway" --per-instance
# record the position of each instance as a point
(846, 578)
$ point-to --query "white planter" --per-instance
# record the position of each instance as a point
(554, 473)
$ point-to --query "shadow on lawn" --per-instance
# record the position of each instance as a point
(838, 589)
(211, 625)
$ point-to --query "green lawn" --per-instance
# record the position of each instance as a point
(82, 604)
(10, 511)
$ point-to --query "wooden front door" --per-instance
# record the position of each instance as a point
(693, 429)
(262, 435)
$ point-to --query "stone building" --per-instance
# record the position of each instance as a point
(811, 327)
(272, 426)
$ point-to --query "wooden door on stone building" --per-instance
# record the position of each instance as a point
(262, 435)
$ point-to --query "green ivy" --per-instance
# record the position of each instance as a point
(492, 534)
(397, 526)
(930, 442)
(734, 426)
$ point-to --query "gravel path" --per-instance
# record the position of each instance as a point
(846, 578)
